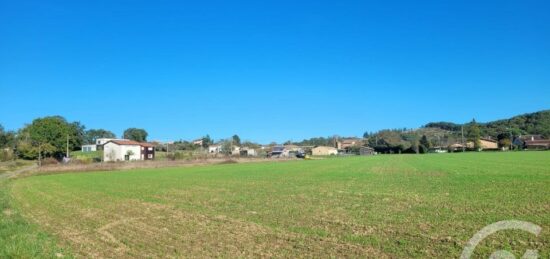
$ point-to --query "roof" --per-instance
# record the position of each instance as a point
(488, 139)
(131, 143)
(538, 142)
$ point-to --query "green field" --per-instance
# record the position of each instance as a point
(382, 206)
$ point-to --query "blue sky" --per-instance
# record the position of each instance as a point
(271, 70)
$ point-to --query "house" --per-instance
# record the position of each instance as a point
(127, 150)
(324, 151)
(279, 151)
(246, 151)
(485, 143)
(537, 144)
(456, 146)
(198, 142)
(345, 144)
(89, 148)
(235, 150)
(215, 149)
(101, 141)
(366, 151)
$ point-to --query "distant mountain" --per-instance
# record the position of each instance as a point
(530, 123)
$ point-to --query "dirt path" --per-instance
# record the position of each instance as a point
(15, 173)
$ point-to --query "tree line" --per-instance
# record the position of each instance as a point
(54, 136)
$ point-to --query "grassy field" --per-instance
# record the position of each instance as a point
(382, 206)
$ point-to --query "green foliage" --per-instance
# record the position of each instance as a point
(93, 134)
(425, 144)
(531, 123)
(139, 135)
(49, 135)
(318, 141)
(236, 140)
(207, 141)
(473, 133)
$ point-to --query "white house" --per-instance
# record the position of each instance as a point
(215, 149)
(324, 151)
(127, 150)
(89, 148)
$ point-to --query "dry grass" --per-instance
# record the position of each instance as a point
(119, 166)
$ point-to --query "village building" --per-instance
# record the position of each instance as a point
(127, 150)
(344, 144)
(484, 144)
(215, 149)
(324, 151)
(246, 151)
(89, 148)
(540, 144)
(366, 151)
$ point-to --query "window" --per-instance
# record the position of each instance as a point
(150, 155)
(150, 149)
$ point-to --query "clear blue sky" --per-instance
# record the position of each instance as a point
(271, 70)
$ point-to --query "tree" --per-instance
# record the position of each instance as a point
(425, 144)
(227, 146)
(92, 135)
(48, 136)
(207, 141)
(473, 133)
(135, 134)
(236, 140)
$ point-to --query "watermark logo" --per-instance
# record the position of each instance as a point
(498, 226)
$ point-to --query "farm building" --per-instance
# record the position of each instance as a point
(348, 143)
(324, 151)
(485, 143)
(366, 151)
(279, 151)
(215, 149)
(537, 144)
(245, 151)
(89, 148)
(127, 150)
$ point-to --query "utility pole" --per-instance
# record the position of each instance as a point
(67, 145)
(511, 140)
(39, 155)
(462, 130)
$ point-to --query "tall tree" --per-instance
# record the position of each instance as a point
(473, 133)
(207, 141)
(139, 135)
(425, 144)
(236, 140)
(93, 134)
(48, 136)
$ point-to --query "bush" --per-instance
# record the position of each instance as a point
(6, 155)
(49, 161)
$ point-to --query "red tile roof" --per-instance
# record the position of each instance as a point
(131, 142)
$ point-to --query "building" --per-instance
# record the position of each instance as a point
(246, 151)
(215, 149)
(127, 150)
(89, 148)
(279, 151)
(324, 151)
(235, 150)
(198, 142)
(366, 151)
(540, 144)
(485, 144)
(345, 144)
